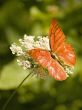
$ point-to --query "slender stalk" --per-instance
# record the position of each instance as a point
(11, 96)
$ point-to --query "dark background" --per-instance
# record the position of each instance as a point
(33, 17)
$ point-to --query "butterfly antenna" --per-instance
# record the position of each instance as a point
(11, 96)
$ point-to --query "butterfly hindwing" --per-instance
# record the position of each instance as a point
(44, 58)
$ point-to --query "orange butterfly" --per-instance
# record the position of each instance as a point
(60, 60)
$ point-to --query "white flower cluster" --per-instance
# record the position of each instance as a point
(29, 43)
(16, 50)
(26, 44)
(42, 43)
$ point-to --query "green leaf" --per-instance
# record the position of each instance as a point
(12, 75)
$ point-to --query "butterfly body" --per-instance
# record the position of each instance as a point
(60, 60)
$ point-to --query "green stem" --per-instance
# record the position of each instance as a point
(11, 96)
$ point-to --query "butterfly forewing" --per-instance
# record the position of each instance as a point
(56, 36)
(58, 44)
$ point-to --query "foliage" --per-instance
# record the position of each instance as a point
(32, 17)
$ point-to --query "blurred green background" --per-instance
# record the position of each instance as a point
(33, 17)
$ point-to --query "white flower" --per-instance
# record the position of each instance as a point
(43, 43)
(27, 42)
(16, 49)
(24, 63)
